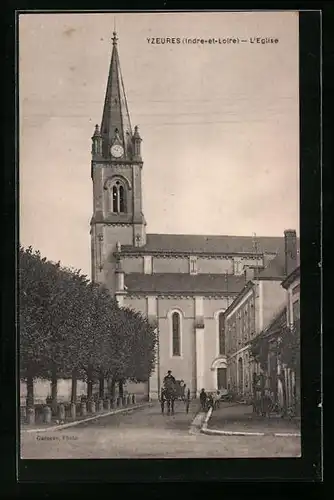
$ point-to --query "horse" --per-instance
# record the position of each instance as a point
(168, 395)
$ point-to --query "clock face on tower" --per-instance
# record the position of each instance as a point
(116, 150)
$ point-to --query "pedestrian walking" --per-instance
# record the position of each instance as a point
(217, 400)
(202, 398)
(183, 390)
(209, 401)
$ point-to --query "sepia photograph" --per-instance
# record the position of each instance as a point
(159, 243)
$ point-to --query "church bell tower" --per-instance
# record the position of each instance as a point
(116, 170)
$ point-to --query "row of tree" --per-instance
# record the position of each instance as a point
(284, 347)
(72, 328)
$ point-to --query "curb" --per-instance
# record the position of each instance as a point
(197, 423)
(206, 420)
(215, 432)
(95, 417)
(287, 434)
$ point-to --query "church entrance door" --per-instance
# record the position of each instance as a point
(221, 378)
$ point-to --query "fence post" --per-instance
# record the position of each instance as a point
(23, 413)
(47, 414)
(61, 411)
(31, 416)
(91, 406)
(83, 409)
(73, 410)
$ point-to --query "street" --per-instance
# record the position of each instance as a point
(145, 433)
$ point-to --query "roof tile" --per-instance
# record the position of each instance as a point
(275, 268)
(208, 244)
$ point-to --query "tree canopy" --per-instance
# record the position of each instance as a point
(286, 345)
(68, 324)
(290, 347)
(259, 350)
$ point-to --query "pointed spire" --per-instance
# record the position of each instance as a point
(97, 131)
(115, 111)
(96, 142)
(136, 134)
(136, 144)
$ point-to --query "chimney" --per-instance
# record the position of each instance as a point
(290, 243)
(249, 273)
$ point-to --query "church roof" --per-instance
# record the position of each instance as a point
(201, 244)
(179, 283)
(115, 111)
(275, 268)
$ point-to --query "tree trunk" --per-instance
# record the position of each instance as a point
(30, 392)
(108, 387)
(74, 387)
(120, 388)
(54, 391)
(263, 393)
(113, 389)
(254, 393)
(297, 391)
(283, 382)
(89, 384)
(101, 387)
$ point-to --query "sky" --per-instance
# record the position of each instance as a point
(219, 123)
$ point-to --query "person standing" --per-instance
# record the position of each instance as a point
(182, 390)
(209, 401)
(217, 399)
(202, 398)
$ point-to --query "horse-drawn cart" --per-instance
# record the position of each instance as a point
(171, 392)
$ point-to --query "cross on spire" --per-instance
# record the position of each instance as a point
(114, 38)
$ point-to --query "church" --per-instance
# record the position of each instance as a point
(182, 283)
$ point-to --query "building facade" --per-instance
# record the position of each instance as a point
(292, 287)
(183, 283)
(252, 312)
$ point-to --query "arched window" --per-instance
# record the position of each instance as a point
(176, 334)
(221, 333)
(121, 199)
(118, 198)
(114, 199)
